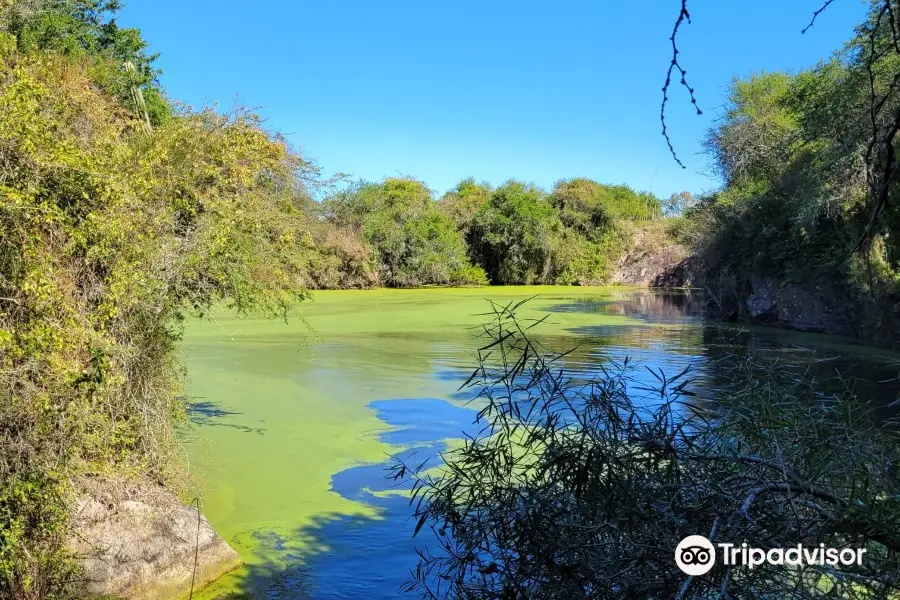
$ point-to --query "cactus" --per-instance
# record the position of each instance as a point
(137, 96)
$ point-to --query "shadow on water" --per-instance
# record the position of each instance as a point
(208, 413)
(871, 374)
(344, 556)
(336, 560)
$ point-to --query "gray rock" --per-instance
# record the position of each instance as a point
(144, 549)
(761, 302)
(800, 309)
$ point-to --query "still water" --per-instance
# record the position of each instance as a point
(293, 424)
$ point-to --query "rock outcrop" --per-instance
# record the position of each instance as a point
(806, 307)
(687, 272)
(652, 258)
(143, 546)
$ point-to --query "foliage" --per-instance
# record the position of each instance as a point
(415, 242)
(583, 205)
(512, 235)
(109, 238)
(87, 28)
(584, 260)
(757, 131)
(464, 201)
(792, 151)
(677, 204)
(579, 199)
(579, 488)
(338, 259)
(520, 234)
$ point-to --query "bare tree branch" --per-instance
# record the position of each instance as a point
(675, 65)
(816, 15)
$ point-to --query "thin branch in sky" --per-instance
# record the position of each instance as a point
(675, 65)
(816, 15)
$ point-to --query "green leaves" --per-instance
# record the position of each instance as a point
(511, 234)
(793, 152)
(522, 235)
(108, 239)
(416, 243)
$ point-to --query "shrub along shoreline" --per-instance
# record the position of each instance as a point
(395, 234)
(117, 219)
(123, 213)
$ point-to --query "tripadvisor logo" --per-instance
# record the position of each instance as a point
(695, 555)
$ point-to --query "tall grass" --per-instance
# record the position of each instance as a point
(582, 488)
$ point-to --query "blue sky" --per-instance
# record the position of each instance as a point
(536, 91)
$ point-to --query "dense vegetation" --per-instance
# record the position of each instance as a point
(123, 212)
(513, 234)
(576, 488)
(413, 242)
(110, 235)
(800, 159)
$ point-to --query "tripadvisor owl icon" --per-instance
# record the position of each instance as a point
(695, 555)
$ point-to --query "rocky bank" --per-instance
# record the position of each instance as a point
(652, 257)
(142, 544)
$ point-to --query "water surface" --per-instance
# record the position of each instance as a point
(293, 423)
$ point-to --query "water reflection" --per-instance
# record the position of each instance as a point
(689, 340)
(655, 306)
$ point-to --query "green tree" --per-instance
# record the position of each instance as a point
(582, 205)
(512, 235)
(88, 28)
(586, 205)
(677, 204)
(464, 201)
(797, 200)
(756, 138)
(416, 243)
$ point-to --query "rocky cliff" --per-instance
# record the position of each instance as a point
(651, 257)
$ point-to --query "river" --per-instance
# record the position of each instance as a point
(292, 424)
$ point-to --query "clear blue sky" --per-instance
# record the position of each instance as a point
(491, 89)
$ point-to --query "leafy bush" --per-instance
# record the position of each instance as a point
(415, 242)
(464, 201)
(585, 204)
(579, 260)
(520, 235)
(339, 259)
(110, 237)
(87, 29)
(512, 235)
